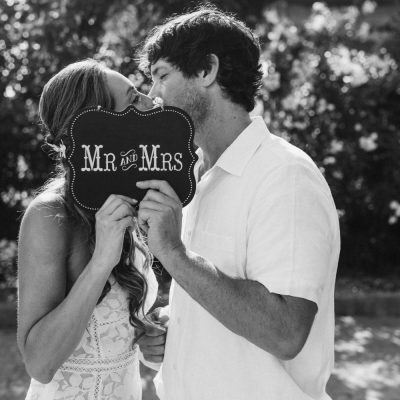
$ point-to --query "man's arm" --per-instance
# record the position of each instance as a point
(277, 324)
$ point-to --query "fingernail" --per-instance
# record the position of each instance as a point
(139, 183)
(134, 201)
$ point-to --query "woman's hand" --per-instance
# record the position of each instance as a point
(151, 339)
(112, 219)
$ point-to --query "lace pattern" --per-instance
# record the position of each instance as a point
(103, 365)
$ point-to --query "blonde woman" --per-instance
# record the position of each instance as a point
(85, 280)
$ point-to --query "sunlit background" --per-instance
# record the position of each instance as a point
(331, 86)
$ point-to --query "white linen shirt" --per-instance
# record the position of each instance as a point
(263, 212)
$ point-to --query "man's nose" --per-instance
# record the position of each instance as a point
(154, 92)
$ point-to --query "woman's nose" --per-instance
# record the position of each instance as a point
(145, 102)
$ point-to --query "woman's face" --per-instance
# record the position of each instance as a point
(124, 93)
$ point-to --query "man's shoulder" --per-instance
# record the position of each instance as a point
(277, 153)
(278, 166)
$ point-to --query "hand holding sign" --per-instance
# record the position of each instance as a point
(114, 150)
(160, 216)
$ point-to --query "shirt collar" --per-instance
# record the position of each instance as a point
(235, 158)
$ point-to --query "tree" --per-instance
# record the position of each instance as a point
(331, 87)
(333, 90)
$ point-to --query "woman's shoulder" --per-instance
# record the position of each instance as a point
(47, 204)
(47, 213)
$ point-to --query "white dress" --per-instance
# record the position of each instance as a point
(103, 365)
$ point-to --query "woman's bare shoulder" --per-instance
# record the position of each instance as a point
(47, 215)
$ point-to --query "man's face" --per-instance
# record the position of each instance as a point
(176, 90)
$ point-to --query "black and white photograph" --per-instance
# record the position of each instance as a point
(199, 200)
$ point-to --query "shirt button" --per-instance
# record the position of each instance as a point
(174, 367)
(178, 321)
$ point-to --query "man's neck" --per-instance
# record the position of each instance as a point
(225, 123)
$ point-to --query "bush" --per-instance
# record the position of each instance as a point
(332, 87)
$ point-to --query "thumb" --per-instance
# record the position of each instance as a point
(163, 319)
(159, 316)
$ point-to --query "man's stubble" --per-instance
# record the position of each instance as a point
(197, 105)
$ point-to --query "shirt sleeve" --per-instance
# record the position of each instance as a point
(290, 232)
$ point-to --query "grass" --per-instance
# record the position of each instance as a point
(367, 353)
(367, 365)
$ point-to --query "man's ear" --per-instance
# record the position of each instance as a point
(209, 76)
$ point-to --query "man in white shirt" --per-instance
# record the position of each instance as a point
(251, 303)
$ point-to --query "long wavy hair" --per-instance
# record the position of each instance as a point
(79, 85)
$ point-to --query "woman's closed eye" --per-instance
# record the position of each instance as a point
(134, 97)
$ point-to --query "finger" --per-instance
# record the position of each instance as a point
(151, 340)
(144, 228)
(122, 211)
(152, 350)
(158, 317)
(113, 205)
(116, 203)
(151, 205)
(154, 359)
(138, 332)
(163, 320)
(109, 200)
(161, 186)
(137, 336)
(144, 218)
(113, 200)
(126, 198)
(154, 330)
(155, 313)
(159, 197)
(125, 223)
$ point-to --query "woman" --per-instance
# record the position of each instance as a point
(85, 281)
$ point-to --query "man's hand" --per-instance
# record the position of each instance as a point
(151, 341)
(160, 216)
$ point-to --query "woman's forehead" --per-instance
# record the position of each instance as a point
(117, 81)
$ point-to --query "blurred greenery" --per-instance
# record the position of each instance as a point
(331, 86)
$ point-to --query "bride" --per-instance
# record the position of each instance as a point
(85, 281)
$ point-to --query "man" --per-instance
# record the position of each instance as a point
(251, 303)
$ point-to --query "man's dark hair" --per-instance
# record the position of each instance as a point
(188, 40)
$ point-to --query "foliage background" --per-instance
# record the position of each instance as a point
(331, 86)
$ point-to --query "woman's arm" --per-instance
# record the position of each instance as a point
(50, 321)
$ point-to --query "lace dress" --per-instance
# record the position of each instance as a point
(104, 365)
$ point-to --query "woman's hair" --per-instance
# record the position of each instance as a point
(79, 85)
(188, 40)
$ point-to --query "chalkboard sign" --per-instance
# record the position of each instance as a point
(111, 151)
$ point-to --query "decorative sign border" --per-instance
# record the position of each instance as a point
(148, 113)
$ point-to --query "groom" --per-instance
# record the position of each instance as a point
(251, 303)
